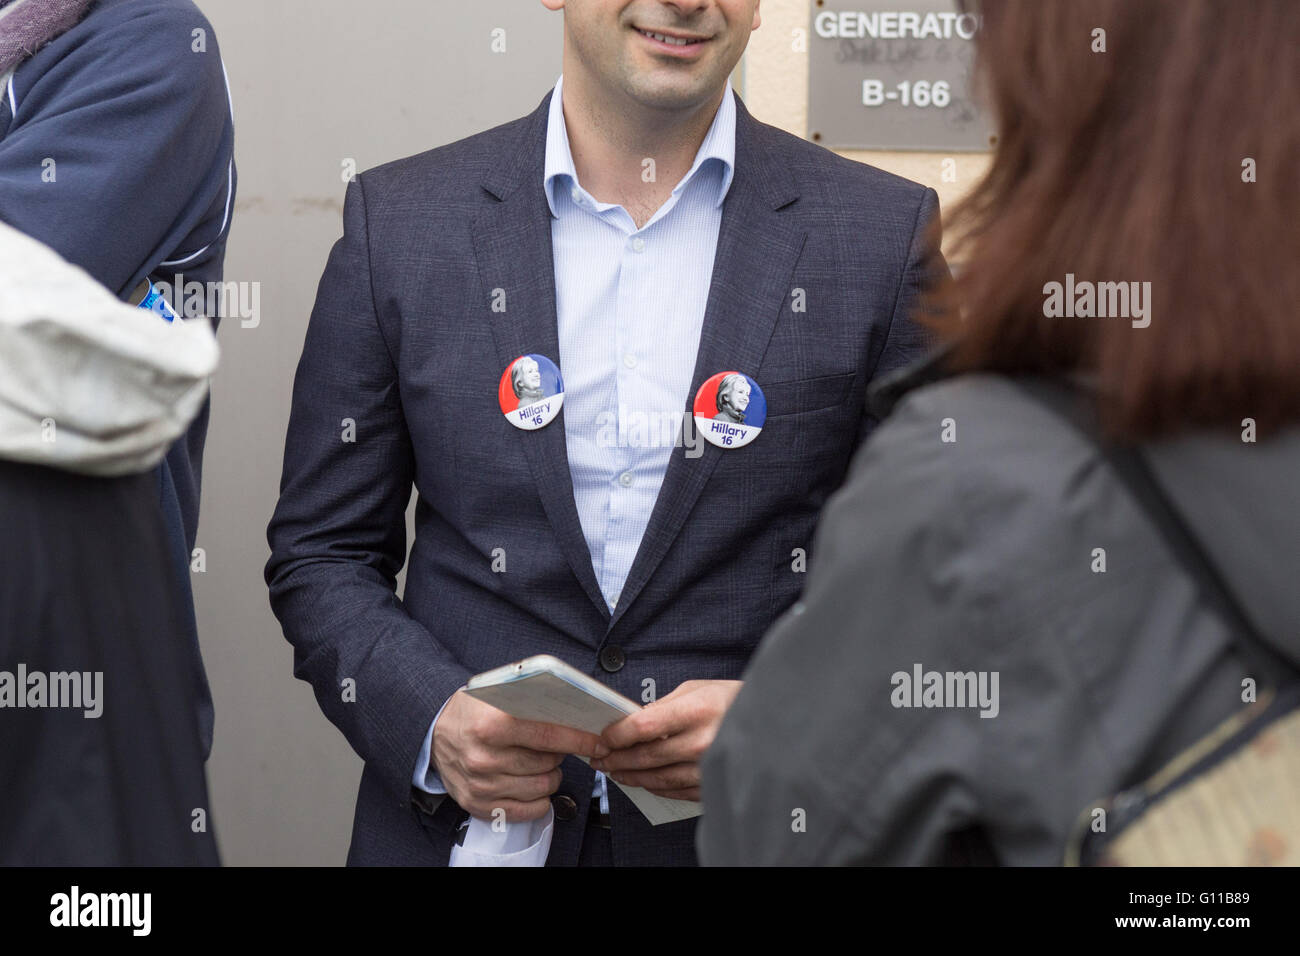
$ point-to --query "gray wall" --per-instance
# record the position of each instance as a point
(314, 82)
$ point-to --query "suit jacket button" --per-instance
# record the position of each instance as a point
(565, 807)
(612, 658)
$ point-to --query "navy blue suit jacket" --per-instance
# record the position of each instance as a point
(819, 263)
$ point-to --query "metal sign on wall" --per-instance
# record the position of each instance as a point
(893, 74)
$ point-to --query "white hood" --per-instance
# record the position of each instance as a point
(88, 383)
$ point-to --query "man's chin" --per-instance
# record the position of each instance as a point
(671, 93)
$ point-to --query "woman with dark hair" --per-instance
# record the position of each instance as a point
(997, 629)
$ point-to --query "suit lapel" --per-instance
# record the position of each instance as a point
(758, 248)
(512, 246)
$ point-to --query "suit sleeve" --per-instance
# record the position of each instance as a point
(908, 340)
(338, 535)
(115, 145)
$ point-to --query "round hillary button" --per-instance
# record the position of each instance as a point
(730, 410)
(531, 392)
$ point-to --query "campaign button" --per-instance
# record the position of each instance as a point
(729, 410)
(531, 392)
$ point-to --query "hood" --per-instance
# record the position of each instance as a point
(1242, 502)
(27, 25)
(87, 383)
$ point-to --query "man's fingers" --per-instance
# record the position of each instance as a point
(520, 761)
(552, 738)
(495, 729)
(679, 748)
(499, 787)
(664, 718)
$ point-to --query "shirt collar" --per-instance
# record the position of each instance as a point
(719, 143)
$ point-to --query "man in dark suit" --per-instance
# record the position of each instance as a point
(644, 233)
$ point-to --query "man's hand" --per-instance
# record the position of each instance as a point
(659, 747)
(489, 760)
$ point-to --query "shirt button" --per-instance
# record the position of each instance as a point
(566, 808)
(577, 196)
(629, 360)
(625, 479)
(638, 244)
(612, 658)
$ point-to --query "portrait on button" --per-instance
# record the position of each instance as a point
(531, 392)
(730, 409)
(733, 398)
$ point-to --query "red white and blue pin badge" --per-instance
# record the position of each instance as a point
(531, 392)
(730, 410)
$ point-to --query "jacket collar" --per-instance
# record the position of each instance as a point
(525, 160)
(719, 145)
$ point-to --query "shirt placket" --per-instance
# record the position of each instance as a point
(624, 472)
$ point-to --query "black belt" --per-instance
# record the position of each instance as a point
(597, 819)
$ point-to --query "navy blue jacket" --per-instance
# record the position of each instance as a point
(404, 342)
(138, 125)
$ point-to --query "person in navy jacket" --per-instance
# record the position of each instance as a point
(117, 151)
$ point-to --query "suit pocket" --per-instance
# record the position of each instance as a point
(807, 395)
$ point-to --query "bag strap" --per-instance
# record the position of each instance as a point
(1134, 470)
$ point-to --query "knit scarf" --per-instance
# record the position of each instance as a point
(27, 25)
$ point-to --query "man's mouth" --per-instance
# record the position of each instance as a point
(670, 39)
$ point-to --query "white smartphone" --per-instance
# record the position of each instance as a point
(546, 665)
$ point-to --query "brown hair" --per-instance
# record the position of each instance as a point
(1129, 165)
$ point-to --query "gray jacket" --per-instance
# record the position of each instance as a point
(980, 555)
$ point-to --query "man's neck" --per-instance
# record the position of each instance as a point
(626, 153)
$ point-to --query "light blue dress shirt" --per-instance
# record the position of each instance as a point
(630, 306)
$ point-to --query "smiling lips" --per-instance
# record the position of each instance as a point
(671, 40)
